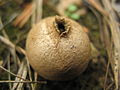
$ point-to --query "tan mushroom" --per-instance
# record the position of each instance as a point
(58, 48)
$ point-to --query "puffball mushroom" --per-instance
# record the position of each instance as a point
(58, 48)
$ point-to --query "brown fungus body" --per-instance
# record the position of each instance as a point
(58, 48)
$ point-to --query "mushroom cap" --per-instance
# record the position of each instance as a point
(56, 57)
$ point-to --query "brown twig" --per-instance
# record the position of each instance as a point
(20, 72)
(8, 66)
(109, 87)
(11, 48)
(11, 73)
(24, 16)
(38, 4)
(18, 77)
(115, 33)
(23, 75)
(98, 7)
(21, 50)
(7, 42)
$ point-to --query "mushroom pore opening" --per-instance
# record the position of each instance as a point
(61, 26)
